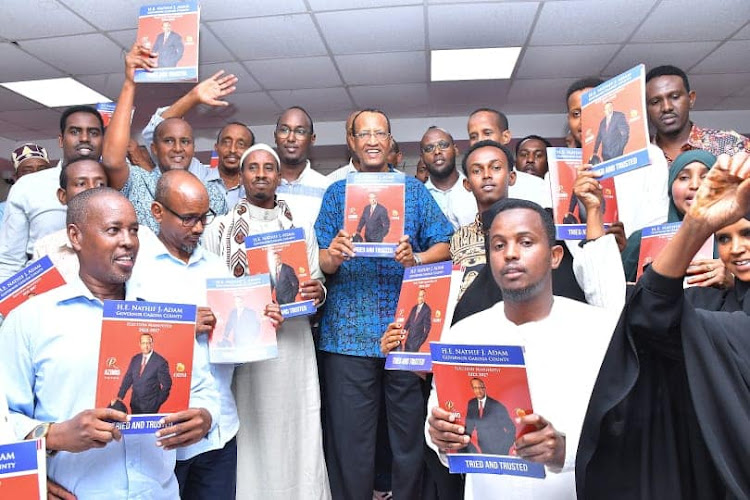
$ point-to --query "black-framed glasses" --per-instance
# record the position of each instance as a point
(380, 135)
(192, 220)
(440, 145)
(284, 131)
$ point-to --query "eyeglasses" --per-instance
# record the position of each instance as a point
(377, 134)
(192, 220)
(284, 131)
(440, 145)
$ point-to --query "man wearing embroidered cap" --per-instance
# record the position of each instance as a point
(27, 159)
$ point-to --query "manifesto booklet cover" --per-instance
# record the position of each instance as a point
(614, 124)
(145, 361)
(36, 278)
(374, 212)
(23, 470)
(569, 212)
(655, 238)
(486, 389)
(242, 333)
(107, 109)
(425, 306)
(283, 256)
(171, 30)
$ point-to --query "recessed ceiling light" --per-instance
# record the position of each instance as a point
(56, 92)
(473, 64)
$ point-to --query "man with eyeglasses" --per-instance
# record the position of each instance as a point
(172, 145)
(175, 269)
(362, 298)
(446, 184)
(301, 187)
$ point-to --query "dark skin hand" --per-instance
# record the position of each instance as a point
(545, 445)
(190, 426)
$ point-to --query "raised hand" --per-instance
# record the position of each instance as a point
(211, 90)
(139, 57)
(724, 195)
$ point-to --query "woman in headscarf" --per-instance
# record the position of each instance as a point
(669, 412)
(279, 445)
(685, 176)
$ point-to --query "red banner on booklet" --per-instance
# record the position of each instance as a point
(145, 361)
(37, 278)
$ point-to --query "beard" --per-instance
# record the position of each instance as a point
(523, 294)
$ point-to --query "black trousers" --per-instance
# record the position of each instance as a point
(212, 475)
(352, 400)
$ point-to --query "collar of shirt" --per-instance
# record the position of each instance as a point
(300, 179)
(693, 142)
(77, 290)
(459, 183)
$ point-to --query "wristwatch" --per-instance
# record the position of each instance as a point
(41, 431)
(417, 260)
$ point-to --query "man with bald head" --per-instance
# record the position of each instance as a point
(173, 147)
(49, 365)
(175, 269)
(301, 187)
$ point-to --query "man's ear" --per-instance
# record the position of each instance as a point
(557, 255)
(692, 96)
(61, 196)
(467, 186)
(312, 140)
(505, 137)
(60, 141)
(157, 211)
(75, 237)
(512, 177)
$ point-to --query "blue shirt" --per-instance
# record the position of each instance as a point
(363, 293)
(141, 187)
(164, 278)
(49, 351)
(211, 176)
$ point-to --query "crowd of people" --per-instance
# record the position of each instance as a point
(639, 389)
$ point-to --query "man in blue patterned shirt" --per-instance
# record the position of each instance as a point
(362, 298)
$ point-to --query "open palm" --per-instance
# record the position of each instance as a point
(724, 196)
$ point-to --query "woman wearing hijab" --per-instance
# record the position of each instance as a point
(668, 415)
(280, 444)
(685, 176)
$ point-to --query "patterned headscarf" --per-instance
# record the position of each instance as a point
(27, 151)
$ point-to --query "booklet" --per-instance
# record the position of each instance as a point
(655, 238)
(374, 212)
(486, 389)
(171, 30)
(425, 308)
(23, 470)
(107, 109)
(615, 125)
(35, 279)
(569, 212)
(283, 256)
(242, 333)
(145, 361)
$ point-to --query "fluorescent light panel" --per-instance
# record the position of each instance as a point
(473, 64)
(56, 92)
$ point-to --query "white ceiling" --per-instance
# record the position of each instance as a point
(333, 56)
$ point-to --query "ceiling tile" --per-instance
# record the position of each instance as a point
(14, 131)
(707, 103)
(614, 23)
(735, 103)
(568, 61)
(25, 19)
(305, 72)
(315, 101)
(538, 95)
(109, 84)
(233, 9)
(729, 58)
(391, 97)
(18, 65)
(10, 101)
(211, 50)
(373, 30)
(686, 21)
(270, 37)
(246, 83)
(107, 16)
(79, 54)
(33, 119)
(381, 69)
(744, 33)
(718, 85)
(682, 55)
(480, 24)
(744, 92)
(254, 108)
(323, 5)
(470, 95)
(124, 38)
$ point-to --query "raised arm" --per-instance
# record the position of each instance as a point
(115, 148)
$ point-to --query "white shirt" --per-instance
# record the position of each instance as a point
(6, 428)
(532, 188)
(341, 172)
(304, 195)
(458, 204)
(563, 354)
(159, 275)
(32, 211)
